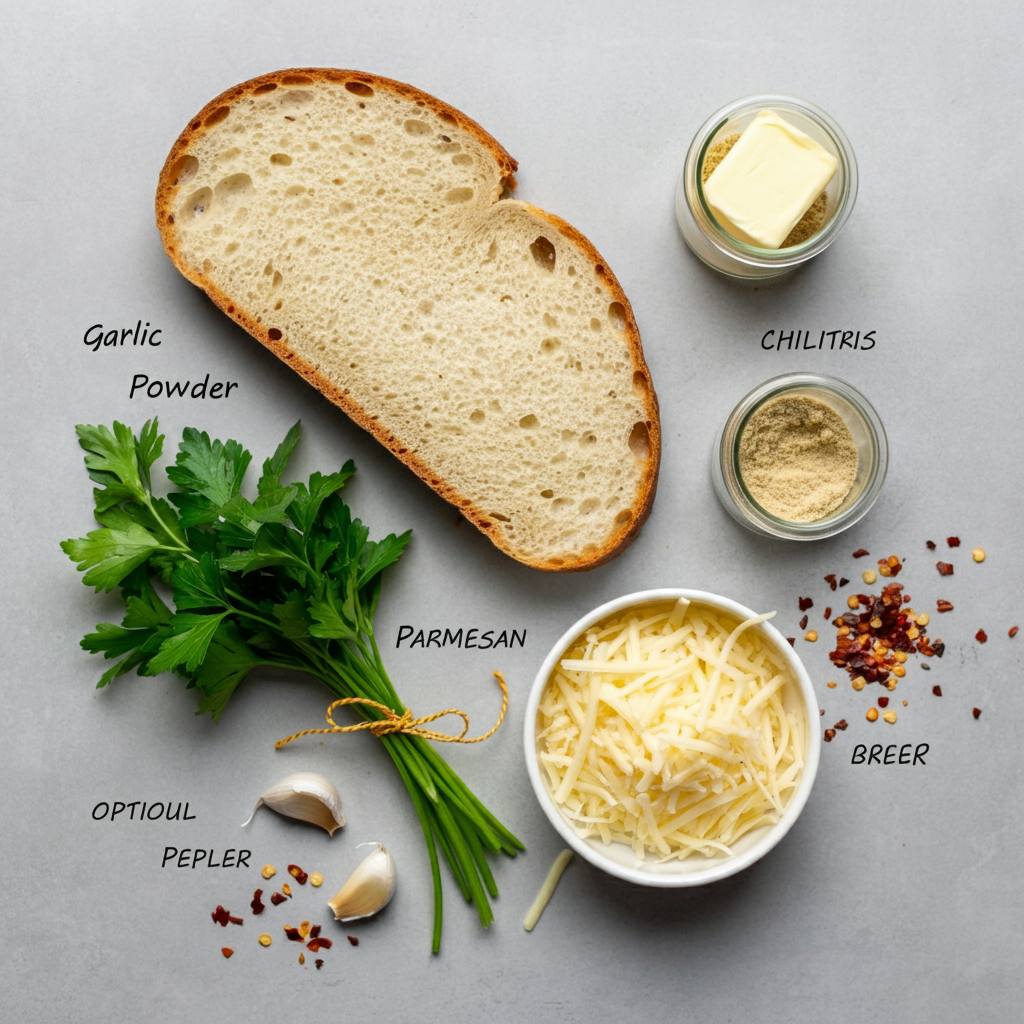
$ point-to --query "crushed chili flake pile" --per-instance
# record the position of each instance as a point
(869, 642)
(306, 933)
(879, 633)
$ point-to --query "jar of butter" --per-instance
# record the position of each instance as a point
(769, 182)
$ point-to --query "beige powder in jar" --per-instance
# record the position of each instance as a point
(797, 458)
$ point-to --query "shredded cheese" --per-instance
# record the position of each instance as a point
(673, 729)
(547, 890)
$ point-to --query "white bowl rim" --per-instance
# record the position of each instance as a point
(717, 868)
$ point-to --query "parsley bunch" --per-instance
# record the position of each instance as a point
(289, 580)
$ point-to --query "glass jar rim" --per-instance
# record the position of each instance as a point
(752, 512)
(795, 254)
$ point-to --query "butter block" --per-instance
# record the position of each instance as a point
(768, 181)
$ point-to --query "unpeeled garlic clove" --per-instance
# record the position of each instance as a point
(306, 796)
(369, 889)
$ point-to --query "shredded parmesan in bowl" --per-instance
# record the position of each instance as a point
(673, 728)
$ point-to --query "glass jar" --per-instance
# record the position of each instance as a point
(868, 435)
(710, 241)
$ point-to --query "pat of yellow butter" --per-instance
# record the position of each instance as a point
(768, 181)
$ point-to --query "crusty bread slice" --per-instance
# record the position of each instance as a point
(357, 227)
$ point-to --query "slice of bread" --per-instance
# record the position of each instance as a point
(358, 228)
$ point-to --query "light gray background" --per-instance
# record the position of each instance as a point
(897, 895)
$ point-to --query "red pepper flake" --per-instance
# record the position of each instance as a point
(803, 622)
(930, 545)
(861, 552)
(222, 916)
(805, 603)
(320, 963)
(355, 942)
(940, 648)
(976, 712)
(953, 542)
(277, 899)
(791, 640)
(937, 690)
(292, 933)
(981, 636)
(1013, 631)
(945, 569)
(297, 873)
(229, 952)
(822, 712)
(314, 931)
(830, 579)
(828, 613)
(841, 725)
(257, 904)
(829, 735)
(883, 702)
(315, 945)
(943, 606)
(843, 581)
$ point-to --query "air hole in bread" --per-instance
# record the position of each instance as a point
(216, 116)
(416, 127)
(544, 253)
(281, 159)
(549, 320)
(529, 422)
(231, 248)
(617, 316)
(547, 494)
(363, 139)
(550, 345)
(461, 159)
(277, 281)
(589, 505)
(232, 190)
(260, 90)
(501, 518)
(624, 517)
(640, 441)
(640, 381)
(294, 190)
(359, 88)
(295, 98)
(476, 416)
(587, 438)
(198, 203)
(458, 195)
(274, 334)
(297, 80)
(599, 270)
(595, 324)
(184, 169)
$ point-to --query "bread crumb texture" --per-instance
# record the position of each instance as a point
(357, 227)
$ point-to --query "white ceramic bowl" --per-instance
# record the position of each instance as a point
(618, 859)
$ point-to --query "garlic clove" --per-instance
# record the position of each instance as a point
(369, 889)
(306, 796)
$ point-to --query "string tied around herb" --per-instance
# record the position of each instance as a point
(393, 723)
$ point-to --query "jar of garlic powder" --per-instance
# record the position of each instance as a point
(720, 249)
(802, 457)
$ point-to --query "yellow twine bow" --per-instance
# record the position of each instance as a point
(394, 723)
